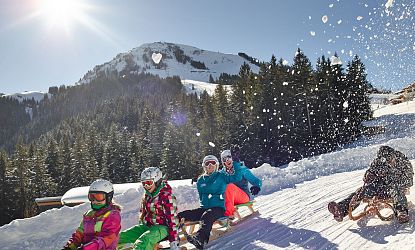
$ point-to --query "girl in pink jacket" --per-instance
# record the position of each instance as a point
(100, 226)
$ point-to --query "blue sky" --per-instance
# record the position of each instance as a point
(39, 49)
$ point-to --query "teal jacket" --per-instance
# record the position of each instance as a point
(212, 187)
(247, 176)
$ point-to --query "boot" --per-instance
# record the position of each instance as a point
(192, 239)
(402, 216)
(335, 209)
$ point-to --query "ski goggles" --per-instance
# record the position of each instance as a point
(210, 163)
(147, 183)
(96, 197)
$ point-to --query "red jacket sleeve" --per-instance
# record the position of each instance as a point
(170, 209)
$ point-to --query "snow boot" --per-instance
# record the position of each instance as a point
(402, 216)
(195, 241)
(335, 209)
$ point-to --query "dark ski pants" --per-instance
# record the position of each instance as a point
(207, 218)
(400, 202)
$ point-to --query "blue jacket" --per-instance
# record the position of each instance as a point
(247, 176)
(212, 187)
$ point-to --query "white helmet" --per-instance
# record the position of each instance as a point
(151, 173)
(101, 185)
(210, 158)
(225, 154)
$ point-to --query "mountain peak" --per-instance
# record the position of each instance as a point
(185, 61)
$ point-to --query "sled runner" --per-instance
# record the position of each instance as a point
(221, 226)
(382, 208)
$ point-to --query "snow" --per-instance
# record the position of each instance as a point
(398, 109)
(292, 204)
(215, 62)
(28, 95)
(198, 87)
(335, 60)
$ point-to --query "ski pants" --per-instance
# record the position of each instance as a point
(234, 196)
(207, 218)
(371, 190)
(144, 237)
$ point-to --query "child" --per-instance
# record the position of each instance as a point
(100, 226)
(158, 218)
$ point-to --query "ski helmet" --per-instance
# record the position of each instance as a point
(102, 186)
(210, 158)
(152, 173)
(225, 154)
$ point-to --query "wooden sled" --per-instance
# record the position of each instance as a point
(221, 226)
(374, 206)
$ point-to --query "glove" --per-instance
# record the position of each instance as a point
(255, 190)
(174, 245)
(69, 246)
(235, 152)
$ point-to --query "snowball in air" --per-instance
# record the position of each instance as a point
(359, 18)
(345, 104)
(313, 33)
(388, 4)
(211, 144)
(324, 19)
(335, 60)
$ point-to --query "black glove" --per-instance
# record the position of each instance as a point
(255, 190)
(66, 247)
(235, 152)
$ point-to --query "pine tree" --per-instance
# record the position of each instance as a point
(172, 162)
(223, 116)
(68, 172)
(208, 125)
(338, 97)
(358, 103)
(52, 162)
(3, 205)
(301, 86)
(238, 106)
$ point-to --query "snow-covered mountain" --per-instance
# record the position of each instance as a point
(292, 204)
(28, 95)
(169, 59)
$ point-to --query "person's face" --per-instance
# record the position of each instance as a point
(149, 185)
(210, 167)
(227, 162)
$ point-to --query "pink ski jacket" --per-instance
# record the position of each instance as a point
(99, 230)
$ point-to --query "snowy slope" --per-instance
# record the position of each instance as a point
(198, 87)
(140, 60)
(292, 204)
(28, 95)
